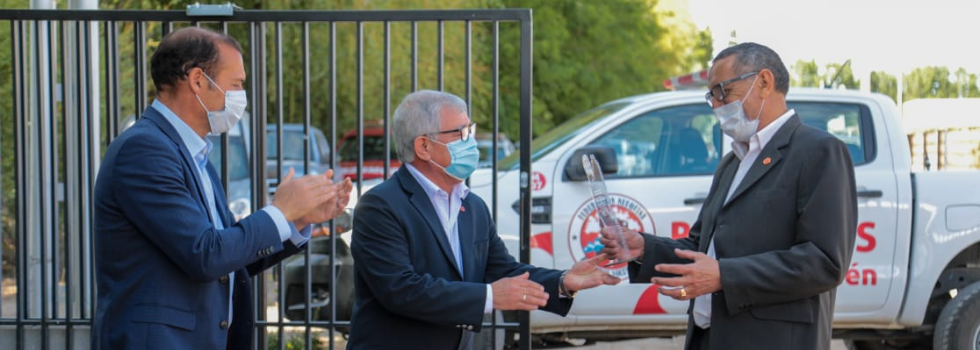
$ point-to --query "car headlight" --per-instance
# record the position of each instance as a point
(241, 207)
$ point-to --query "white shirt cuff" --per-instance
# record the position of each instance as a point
(488, 306)
(285, 228)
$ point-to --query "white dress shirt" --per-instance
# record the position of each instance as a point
(447, 207)
(747, 152)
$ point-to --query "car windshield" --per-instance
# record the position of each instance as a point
(547, 142)
(373, 149)
(292, 145)
(237, 158)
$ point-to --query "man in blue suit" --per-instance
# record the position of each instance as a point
(428, 262)
(173, 267)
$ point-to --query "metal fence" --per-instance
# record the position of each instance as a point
(71, 80)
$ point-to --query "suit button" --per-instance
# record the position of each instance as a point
(223, 325)
(470, 327)
(223, 279)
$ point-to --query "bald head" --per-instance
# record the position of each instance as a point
(184, 49)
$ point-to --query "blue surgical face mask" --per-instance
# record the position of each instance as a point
(733, 121)
(465, 156)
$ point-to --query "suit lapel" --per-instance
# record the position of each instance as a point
(465, 223)
(161, 122)
(768, 158)
(724, 184)
(420, 200)
(219, 197)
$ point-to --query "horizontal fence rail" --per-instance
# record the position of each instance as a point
(72, 80)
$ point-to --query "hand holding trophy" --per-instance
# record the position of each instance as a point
(604, 211)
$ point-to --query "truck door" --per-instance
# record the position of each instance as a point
(666, 158)
(869, 277)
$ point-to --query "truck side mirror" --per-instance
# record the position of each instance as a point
(604, 154)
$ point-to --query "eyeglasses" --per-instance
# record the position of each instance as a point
(718, 91)
(464, 131)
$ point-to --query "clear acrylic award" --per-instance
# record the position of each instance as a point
(607, 217)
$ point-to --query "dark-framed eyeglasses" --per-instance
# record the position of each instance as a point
(718, 93)
(464, 131)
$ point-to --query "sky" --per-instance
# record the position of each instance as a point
(894, 36)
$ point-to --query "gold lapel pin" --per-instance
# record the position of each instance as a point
(766, 161)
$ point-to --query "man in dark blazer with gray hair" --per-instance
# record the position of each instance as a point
(775, 236)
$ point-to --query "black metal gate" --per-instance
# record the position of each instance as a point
(71, 80)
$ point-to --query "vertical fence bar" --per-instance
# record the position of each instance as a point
(495, 114)
(360, 103)
(225, 144)
(333, 141)
(19, 31)
(386, 119)
(280, 110)
(112, 81)
(526, 109)
(43, 140)
(415, 56)
(308, 273)
(442, 55)
(469, 68)
(72, 216)
(139, 74)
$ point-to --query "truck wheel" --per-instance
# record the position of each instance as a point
(958, 327)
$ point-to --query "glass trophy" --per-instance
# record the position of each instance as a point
(607, 217)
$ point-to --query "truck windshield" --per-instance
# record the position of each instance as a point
(544, 144)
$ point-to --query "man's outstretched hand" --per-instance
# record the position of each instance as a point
(586, 274)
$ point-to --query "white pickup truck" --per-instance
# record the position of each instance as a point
(916, 262)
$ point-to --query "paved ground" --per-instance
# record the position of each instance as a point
(662, 344)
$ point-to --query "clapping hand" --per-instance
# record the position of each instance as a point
(298, 197)
(332, 207)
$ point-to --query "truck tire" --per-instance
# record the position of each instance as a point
(958, 327)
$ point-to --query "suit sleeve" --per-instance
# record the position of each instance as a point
(153, 192)
(501, 264)
(827, 217)
(382, 260)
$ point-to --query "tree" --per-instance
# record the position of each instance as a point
(838, 75)
(807, 74)
(928, 82)
(885, 84)
(590, 52)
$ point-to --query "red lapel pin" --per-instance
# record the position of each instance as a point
(766, 161)
(462, 209)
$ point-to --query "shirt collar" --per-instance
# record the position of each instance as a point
(762, 137)
(197, 146)
(430, 188)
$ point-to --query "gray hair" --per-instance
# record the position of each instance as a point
(419, 114)
(750, 57)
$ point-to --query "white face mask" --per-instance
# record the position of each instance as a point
(733, 121)
(223, 120)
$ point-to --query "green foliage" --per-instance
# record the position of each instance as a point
(928, 82)
(587, 53)
(838, 75)
(8, 211)
(807, 74)
(885, 84)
